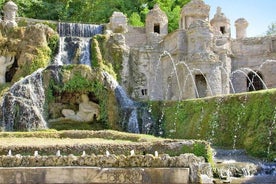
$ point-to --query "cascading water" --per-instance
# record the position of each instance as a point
(130, 109)
(75, 43)
(237, 166)
(23, 105)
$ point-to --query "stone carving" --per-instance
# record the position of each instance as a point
(5, 63)
(10, 10)
(88, 111)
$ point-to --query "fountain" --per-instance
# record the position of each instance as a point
(75, 43)
(135, 116)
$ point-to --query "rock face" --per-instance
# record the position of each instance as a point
(29, 48)
(5, 64)
(30, 102)
(22, 107)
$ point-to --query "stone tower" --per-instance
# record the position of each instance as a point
(194, 10)
(10, 10)
(221, 24)
(156, 23)
(241, 26)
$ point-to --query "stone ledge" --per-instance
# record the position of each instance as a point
(94, 175)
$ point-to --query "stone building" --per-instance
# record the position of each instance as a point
(197, 60)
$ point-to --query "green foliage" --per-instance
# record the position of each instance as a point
(96, 11)
(135, 20)
(99, 50)
(72, 125)
(53, 44)
(233, 121)
(41, 60)
(81, 79)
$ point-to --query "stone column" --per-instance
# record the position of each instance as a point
(10, 11)
(241, 28)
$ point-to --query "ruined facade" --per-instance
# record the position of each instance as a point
(197, 60)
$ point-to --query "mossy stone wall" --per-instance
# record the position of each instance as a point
(234, 121)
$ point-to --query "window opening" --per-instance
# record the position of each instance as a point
(144, 92)
(222, 29)
(156, 28)
(255, 81)
(201, 86)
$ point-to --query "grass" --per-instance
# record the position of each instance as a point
(96, 142)
(82, 134)
(31, 141)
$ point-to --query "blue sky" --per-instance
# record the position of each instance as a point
(259, 13)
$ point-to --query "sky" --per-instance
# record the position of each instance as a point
(259, 13)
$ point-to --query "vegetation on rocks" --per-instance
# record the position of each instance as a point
(234, 121)
(65, 93)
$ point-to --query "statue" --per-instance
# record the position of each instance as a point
(10, 10)
(5, 63)
(88, 111)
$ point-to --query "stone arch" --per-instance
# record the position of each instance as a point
(255, 81)
(201, 86)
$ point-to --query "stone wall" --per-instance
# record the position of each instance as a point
(94, 175)
(187, 168)
(253, 55)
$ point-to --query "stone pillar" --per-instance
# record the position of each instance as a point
(241, 28)
(118, 22)
(10, 11)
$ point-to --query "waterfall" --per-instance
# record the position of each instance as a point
(22, 107)
(130, 109)
(74, 42)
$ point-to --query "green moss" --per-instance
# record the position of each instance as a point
(81, 79)
(52, 25)
(4, 88)
(22, 22)
(99, 51)
(53, 44)
(107, 55)
(73, 125)
(40, 59)
(233, 121)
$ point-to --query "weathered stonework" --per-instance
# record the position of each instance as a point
(145, 168)
(10, 10)
(118, 22)
(94, 175)
(197, 60)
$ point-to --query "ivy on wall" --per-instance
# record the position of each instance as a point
(234, 121)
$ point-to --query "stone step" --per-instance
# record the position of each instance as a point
(93, 175)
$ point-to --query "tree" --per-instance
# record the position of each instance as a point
(135, 20)
(271, 29)
(97, 11)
